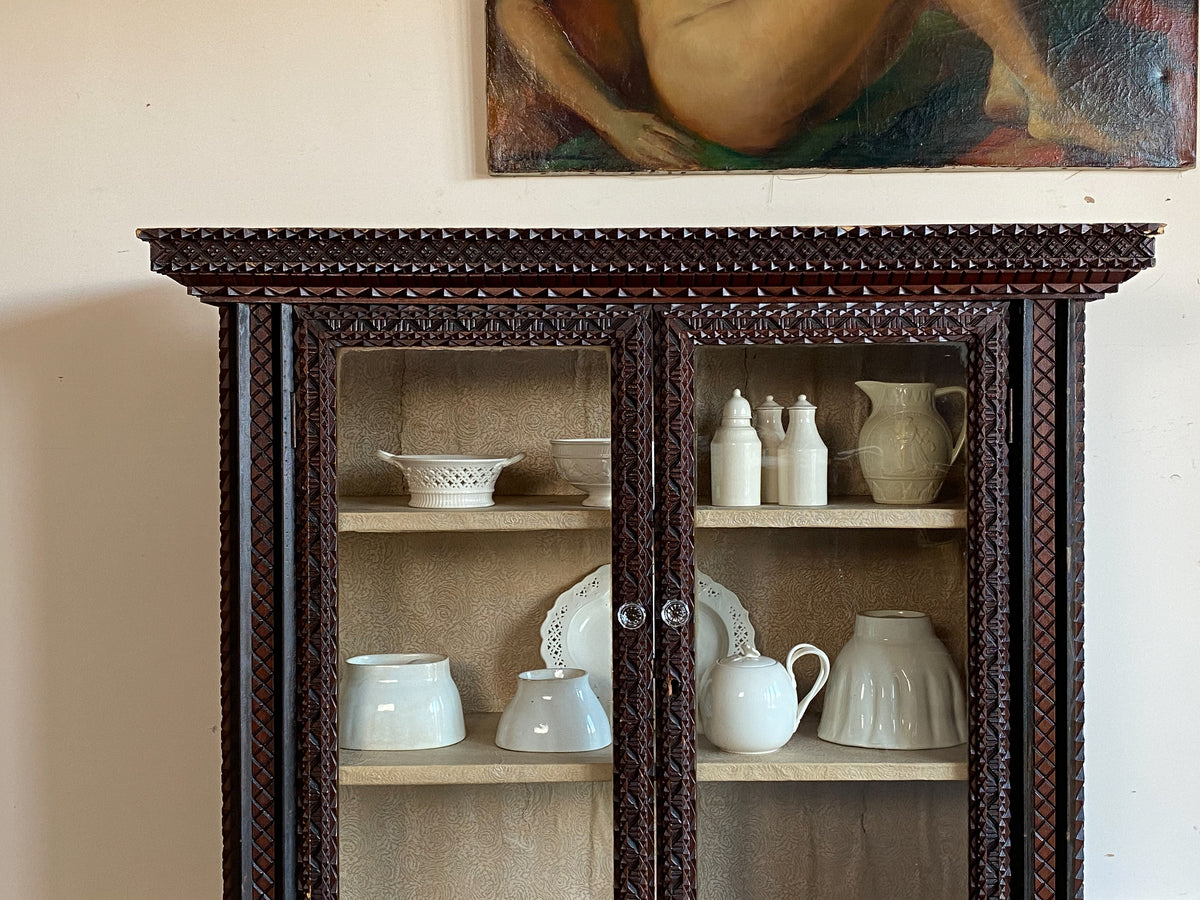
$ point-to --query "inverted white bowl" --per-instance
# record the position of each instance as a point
(894, 687)
(553, 711)
(399, 701)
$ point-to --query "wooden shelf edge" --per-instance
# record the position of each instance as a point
(477, 760)
(384, 514)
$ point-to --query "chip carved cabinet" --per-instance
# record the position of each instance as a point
(334, 343)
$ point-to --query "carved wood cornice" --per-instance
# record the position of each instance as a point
(646, 264)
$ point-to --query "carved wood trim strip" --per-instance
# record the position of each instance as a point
(675, 464)
(250, 536)
(983, 328)
(1042, 720)
(1022, 259)
(321, 331)
(1073, 807)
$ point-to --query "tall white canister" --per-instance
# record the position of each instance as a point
(736, 457)
(803, 459)
(768, 422)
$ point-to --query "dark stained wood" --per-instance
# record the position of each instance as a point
(638, 290)
(321, 332)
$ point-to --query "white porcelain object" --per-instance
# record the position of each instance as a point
(768, 423)
(803, 459)
(894, 687)
(577, 630)
(736, 457)
(449, 482)
(553, 711)
(587, 464)
(749, 702)
(399, 701)
(904, 447)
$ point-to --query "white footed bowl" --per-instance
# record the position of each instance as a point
(587, 464)
(399, 701)
(894, 687)
(554, 711)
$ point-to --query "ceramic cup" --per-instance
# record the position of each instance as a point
(399, 701)
(894, 687)
(554, 711)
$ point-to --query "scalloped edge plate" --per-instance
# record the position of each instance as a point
(577, 630)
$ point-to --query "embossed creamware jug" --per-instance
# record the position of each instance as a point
(749, 702)
(904, 447)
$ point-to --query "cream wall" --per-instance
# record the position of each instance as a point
(130, 113)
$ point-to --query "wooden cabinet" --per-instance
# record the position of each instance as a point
(337, 342)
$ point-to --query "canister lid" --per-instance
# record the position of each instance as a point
(737, 406)
(802, 403)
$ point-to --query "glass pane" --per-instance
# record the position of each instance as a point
(877, 582)
(423, 569)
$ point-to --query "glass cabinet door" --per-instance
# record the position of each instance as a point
(491, 588)
(826, 656)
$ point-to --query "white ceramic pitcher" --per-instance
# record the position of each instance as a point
(904, 448)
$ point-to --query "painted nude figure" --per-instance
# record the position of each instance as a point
(750, 74)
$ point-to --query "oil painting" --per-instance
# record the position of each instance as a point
(717, 85)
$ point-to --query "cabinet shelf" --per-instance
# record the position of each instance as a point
(477, 760)
(842, 512)
(553, 513)
(537, 513)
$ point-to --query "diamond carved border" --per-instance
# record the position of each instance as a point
(315, 264)
(983, 328)
(320, 332)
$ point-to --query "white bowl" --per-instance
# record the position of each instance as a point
(894, 687)
(554, 711)
(587, 464)
(449, 482)
(399, 701)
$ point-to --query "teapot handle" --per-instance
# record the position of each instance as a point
(807, 650)
(962, 432)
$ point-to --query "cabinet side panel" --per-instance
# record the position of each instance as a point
(234, 366)
(633, 587)
(249, 538)
(1043, 619)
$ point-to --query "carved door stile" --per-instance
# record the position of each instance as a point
(982, 327)
(322, 330)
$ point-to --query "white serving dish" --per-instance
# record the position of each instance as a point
(894, 687)
(553, 711)
(399, 701)
(449, 482)
(577, 631)
(587, 464)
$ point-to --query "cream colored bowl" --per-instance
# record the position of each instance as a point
(894, 687)
(586, 463)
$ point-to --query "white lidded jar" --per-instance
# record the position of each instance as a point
(769, 425)
(803, 459)
(736, 457)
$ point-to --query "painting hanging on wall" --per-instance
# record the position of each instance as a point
(681, 85)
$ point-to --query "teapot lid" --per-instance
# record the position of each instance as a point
(747, 657)
(737, 406)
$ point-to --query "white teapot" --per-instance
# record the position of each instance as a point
(749, 702)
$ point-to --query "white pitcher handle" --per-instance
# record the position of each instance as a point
(962, 432)
(807, 650)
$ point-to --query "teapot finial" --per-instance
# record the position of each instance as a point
(748, 650)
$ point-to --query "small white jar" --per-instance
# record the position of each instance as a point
(769, 425)
(736, 457)
(803, 459)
